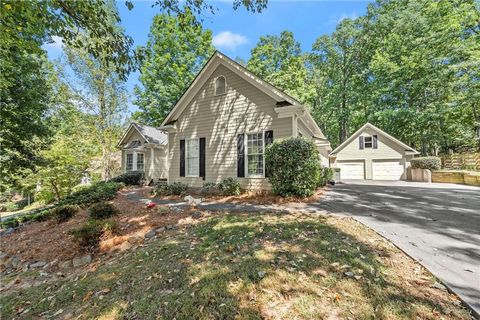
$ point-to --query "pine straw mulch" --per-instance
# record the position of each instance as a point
(49, 241)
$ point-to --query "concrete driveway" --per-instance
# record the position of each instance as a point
(437, 224)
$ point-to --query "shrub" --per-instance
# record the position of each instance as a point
(293, 167)
(229, 187)
(102, 210)
(209, 188)
(326, 174)
(130, 178)
(8, 207)
(10, 223)
(63, 213)
(173, 189)
(96, 192)
(88, 236)
(430, 163)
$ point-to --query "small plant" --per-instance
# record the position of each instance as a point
(102, 210)
(89, 235)
(326, 174)
(229, 187)
(10, 223)
(209, 188)
(63, 213)
(130, 178)
(173, 189)
(163, 210)
(430, 163)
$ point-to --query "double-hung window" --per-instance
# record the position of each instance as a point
(129, 162)
(368, 142)
(255, 160)
(140, 161)
(192, 157)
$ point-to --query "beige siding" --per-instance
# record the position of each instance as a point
(219, 119)
(387, 149)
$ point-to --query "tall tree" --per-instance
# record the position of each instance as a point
(176, 50)
(279, 60)
(336, 62)
(100, 90)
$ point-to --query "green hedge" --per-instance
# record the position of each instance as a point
(130, 178)
(172, 189)
(96, 192)
(430, 163)
(293, 167)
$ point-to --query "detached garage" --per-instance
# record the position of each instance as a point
(372, 154)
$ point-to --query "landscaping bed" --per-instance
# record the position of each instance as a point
(239, 266)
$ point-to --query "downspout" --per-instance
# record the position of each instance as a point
(152, 159)
(294, 126)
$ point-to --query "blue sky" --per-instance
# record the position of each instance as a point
(236, 32)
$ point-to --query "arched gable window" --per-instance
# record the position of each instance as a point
(220, 86)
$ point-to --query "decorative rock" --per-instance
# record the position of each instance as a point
(169, 227)
(261, 274)
(196, 215)
(150, 234)
(439, 286)
(125, 246)
(65, 264)
(15, 262)
(81, 261)
(349, 274)
(38, 264)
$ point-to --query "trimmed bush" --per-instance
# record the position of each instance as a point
(173, 189)
(96, 192)
(326, 174)
(430, 163)
(209, 188)
(130, 178)
(293, 167)
(63, 213)
(102, 210)
(229, 187)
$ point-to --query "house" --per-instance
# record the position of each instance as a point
(145, 148)
(222, 123)
(372, 154)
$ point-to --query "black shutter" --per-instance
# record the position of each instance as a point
(360, 142)
(182, 158)
(375, 143)
(240, 155)
(202, 158)
(268, 140)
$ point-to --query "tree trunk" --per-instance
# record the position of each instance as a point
(55, 190)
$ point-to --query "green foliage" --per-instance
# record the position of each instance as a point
(294, 167)
(210, 188)
(430, 163)
(96, 192)
(89, 235)
(279, 60)
(172, 189)
(176, 50)
(229, 187)
(326, 174)
(102, 210)
(63, 213)
(130, 178)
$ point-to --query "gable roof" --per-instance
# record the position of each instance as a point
(150, 134)
(219, 58)
(371, 126)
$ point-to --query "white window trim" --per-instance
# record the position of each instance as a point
(215, 86)
(186, 158)
(254, 176)
(134, 160)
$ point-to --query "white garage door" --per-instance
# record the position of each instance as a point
(352, 170)
(387, 169)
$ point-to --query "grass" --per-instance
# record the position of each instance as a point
(247, 266)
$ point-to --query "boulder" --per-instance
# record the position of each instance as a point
(150, 234)
(38, 264)
(81, 261)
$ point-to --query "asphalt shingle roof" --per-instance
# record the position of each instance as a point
(153, 135)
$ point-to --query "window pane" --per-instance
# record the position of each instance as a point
(129, 165)
(255, 154)
(192, 157)
(220, 85)
(140, 161)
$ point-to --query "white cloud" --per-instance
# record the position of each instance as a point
(56, 44)
(229, 40)
(337, 19)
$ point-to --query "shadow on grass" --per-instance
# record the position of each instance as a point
(240, 266)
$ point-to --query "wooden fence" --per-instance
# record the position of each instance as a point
(468, 161)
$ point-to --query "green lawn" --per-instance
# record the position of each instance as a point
(245, 266)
